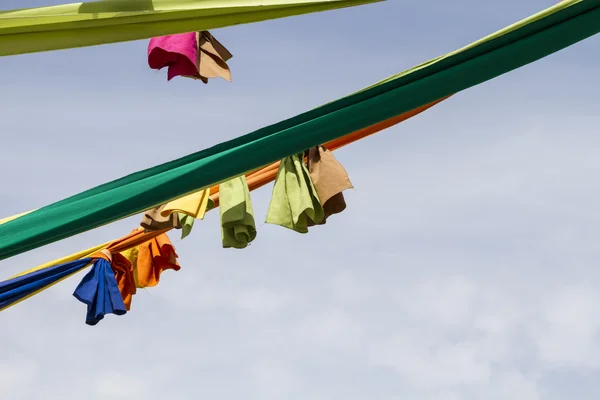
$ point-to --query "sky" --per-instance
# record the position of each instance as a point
(465, 266)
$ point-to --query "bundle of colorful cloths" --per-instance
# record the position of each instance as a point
(308, 190)
(134, 261)
(196, 55)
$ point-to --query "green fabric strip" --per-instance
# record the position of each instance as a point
(525, 26)
(110, 21)
(151, 187)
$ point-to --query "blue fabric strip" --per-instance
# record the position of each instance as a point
(13, 290)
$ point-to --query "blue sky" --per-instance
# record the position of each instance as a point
(465, 266)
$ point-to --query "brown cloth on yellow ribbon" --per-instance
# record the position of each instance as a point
(212, 57)
(330, 180)
(154, 221)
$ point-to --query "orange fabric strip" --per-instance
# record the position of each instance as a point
(135, 238)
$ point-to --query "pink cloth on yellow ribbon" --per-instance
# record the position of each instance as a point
(178, 52)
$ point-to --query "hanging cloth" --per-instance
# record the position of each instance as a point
(195, 205)
(150, 259)
(187, 223)
(131, 255)
(100, 292)
(237, 217)
(212, 58)
(294, 201)
(154, 257)
(177, 52)
(330, 179)
(123, 271)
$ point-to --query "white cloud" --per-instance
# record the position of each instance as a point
(273, 379)
(118, 385)
(568, 335)
(449, 302)
(16, 376)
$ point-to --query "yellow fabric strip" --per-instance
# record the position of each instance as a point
(72, 257)
(517, 25)
(5, 220)
(111, 21)
(41, 290)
